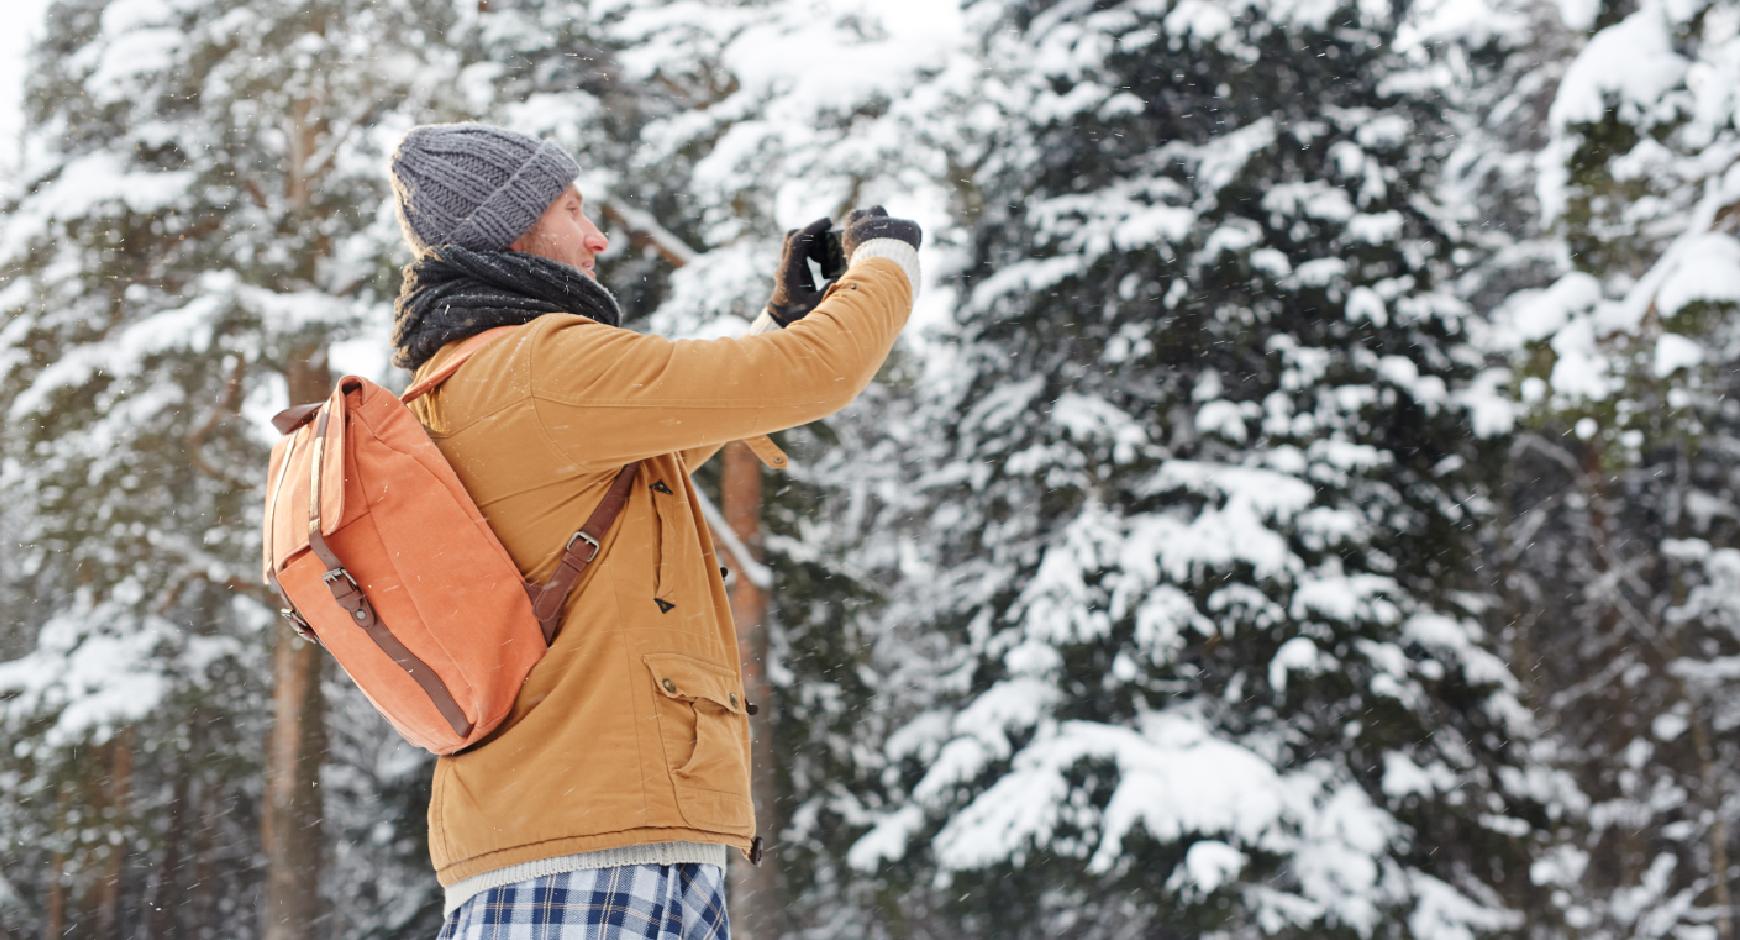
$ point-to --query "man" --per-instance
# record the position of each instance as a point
(608, 800)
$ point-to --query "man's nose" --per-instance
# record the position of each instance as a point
(596, 241)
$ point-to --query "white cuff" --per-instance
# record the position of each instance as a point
(764, 323)
(894, 250)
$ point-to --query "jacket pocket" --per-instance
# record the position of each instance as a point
(705, 737)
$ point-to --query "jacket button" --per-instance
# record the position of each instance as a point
(732, 698)
(670, 686)
(751, 707)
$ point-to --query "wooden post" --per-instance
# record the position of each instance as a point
(757, 896)
(291, 830)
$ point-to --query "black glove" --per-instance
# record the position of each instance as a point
(794, 289)
(874, 222)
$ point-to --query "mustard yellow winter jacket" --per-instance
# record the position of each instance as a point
(633, 728)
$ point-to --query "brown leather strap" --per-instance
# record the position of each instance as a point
(467, 349)
(583, 546)
(289, 612)
(344, 588)
(295, 416)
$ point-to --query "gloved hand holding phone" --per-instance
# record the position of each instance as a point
(795, 292)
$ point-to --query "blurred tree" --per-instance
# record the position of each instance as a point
(201, 211)
(1206, 529)
(1619, 548)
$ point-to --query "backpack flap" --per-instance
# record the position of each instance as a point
(285, 526)
(291, 494)
(325, 499)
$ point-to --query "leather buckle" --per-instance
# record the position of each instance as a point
(298, 624)
(335, 574)
(581, 536)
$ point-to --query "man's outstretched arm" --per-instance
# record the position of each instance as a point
(611, 396)
(696, 457)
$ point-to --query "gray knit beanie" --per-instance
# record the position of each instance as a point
(473, 185)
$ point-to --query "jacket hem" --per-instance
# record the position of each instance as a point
(656, 853)
(454, 872)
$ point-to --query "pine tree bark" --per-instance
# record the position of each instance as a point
(54, 920)
(757, 895)
(120, 785)
(161, 919)
(291, 832)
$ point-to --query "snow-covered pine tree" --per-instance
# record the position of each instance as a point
(1620, 547)
(1206, 531)
(1505, 59)
(118, 548)
(203, 205)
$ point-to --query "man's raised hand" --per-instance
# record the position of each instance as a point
(794, 288)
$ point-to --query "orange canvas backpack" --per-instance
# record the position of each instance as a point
(382, 558)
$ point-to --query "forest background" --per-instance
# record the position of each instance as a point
(1304, 504)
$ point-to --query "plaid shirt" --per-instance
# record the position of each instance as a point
(655, 902)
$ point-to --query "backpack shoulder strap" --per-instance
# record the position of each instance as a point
(582, 547)
(467, 349)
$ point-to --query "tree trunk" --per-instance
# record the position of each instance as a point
(54, 920)
(120, 794)
(55, 916)
(291, 830)
(757, 897)
(165, 896)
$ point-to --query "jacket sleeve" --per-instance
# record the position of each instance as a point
(696, 457)
(607, 396)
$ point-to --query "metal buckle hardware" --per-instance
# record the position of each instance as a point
(334, 574)
(298, 624)
(581, 536)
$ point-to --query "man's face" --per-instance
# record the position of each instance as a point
(565, 234)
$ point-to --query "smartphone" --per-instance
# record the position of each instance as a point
(832, 258)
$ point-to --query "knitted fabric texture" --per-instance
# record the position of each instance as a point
(474, 185)
(452, 293)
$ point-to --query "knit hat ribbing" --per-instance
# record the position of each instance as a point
(474, 185)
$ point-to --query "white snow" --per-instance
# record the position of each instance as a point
(1628, 66)
(1579, 14)
(123, 355)
(1540, 314)
(1674, 352)
(1705, 269)
(25, 18)
(1298, 654)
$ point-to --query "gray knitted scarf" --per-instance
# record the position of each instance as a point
(454, 292)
